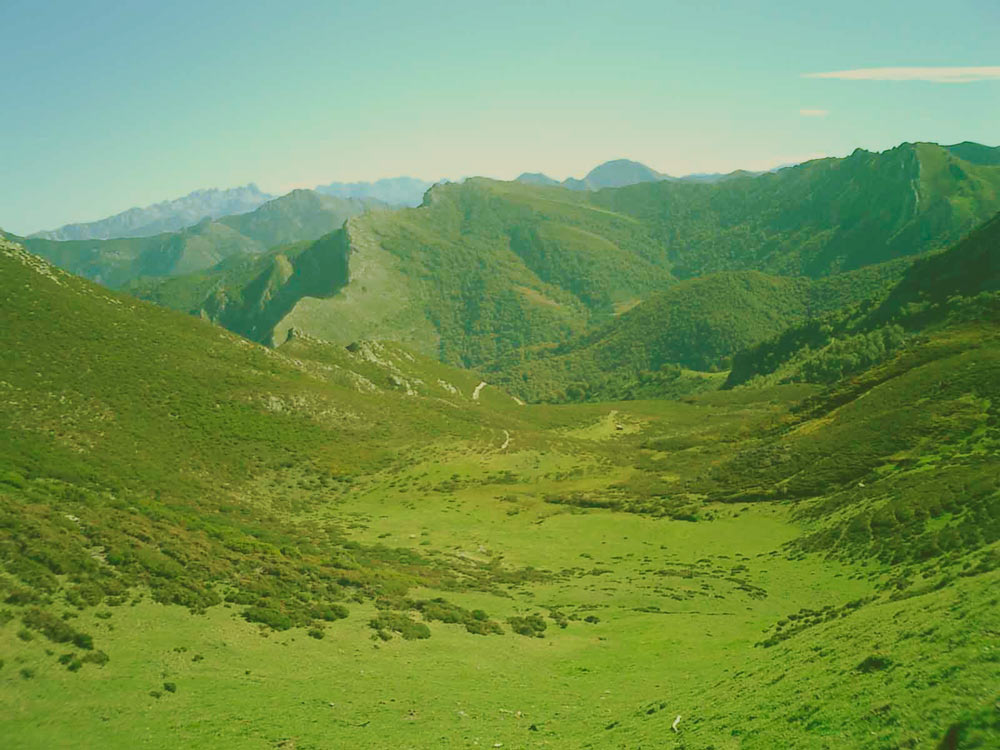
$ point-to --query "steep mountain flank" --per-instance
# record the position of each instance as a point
(250, 294)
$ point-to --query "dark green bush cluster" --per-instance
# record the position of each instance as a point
(476, 621)
(805, 618)
(559, 618)
(533, 626)
(273, 618)
(389, 622)
(55, 629)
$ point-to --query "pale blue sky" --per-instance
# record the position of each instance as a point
(108, 105)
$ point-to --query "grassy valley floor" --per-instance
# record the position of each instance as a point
(646, 619)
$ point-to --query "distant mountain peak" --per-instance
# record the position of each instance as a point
(621, 172)
(614, 173)
(535, 178)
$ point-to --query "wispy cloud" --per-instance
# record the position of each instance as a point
(934, 75)
(814, 112)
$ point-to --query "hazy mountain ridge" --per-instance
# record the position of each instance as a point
(165, 216)
(624, 172)
(614, 173)
(394, 191)
(299, 215)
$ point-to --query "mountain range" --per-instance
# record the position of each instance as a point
(194, 208)
(297, 216)
(180, 213)
(623, 172)
(489, 274)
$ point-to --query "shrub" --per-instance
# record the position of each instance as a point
(97, 657)
(532, 626)
(268, 616)
(330, 612)
(874, 663)
(389, 622)
(55, 629)
(170, 687)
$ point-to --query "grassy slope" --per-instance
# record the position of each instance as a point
(482, 269)
(763, 624)
(817, 218)
(958, 284)
(699, 324)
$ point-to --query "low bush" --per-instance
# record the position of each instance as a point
(532, 626)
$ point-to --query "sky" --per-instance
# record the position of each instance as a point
(108, 105)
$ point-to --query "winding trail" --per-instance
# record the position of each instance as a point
(475, 393)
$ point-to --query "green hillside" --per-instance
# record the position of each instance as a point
(817, 218)
(960, 284)
(250, 294)
(976, 153)
(486, 269)
(300, 215)
(696, 325)
(207, 542)
(481, 270)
